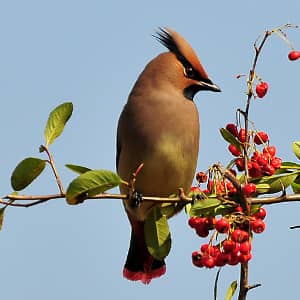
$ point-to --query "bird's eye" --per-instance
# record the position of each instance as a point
(189, 72)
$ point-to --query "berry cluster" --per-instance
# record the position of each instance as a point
(235, 247)
(260, 163)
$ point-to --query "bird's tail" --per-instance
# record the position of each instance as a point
(140, 265)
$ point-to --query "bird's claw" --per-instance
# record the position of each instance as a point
(136, 199)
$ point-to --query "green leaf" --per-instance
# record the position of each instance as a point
(204, 207)
(231, 290)
(296, 149)
(2, 209)
(57, 121)
(276, 182)
(157, 234)
(90, 184)
(230, 138)
(26, 171)
(290, 165)
(296, 185)
(77, 169)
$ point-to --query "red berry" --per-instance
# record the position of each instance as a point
(243, 258)
(233, 259)
(193, 222)
(222, 259)
(294, 55)
(245, 247)
(261, 137)
(261, 89)
(210, 223)
(270, 150)
(234, 150)
(232, 129)
(222, 225)
(195, 189)
(208, 261)
(201, 177)
(207, 249)
(242, 135)
(260, 214)
(239, 209)
(255, 170)
(276, 162)
(239, 236)
(262, 160)
(196, 259)
(229, 246)
(249, 188)
(257, 226)
(240, 164)
(268, 170)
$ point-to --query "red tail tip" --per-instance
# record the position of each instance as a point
(144, 277)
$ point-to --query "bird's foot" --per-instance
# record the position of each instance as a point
(136, 199)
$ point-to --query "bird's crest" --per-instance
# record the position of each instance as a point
(181, 48)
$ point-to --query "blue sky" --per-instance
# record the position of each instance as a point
(90, 53)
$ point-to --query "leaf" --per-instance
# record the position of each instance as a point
(157, 234)
(26, 171)
(262, 188)
(296, 185)
(77, 169)
(204, 207)
(57, 121)
(290, 165)
(277, 182)
(230, 138)
(90, 184)
(231, 290)
(296, 148)
(2, 209)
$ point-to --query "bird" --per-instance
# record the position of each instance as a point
(159, 128)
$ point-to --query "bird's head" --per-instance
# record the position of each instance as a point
(181, 66)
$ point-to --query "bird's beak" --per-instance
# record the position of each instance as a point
(209, 86)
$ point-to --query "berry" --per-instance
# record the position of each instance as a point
(240, 164)
(233, 259)
(255, 170)
(276, 162)
(242, 135)
(262, 160)
(257, 225)
(261, 137)
(232, 129)
(270, 150)
(239, 236)
(222, 259)
(268, 170)
(208, 261)
(207, 249)
(260, 214)
(201, 177)
(294, 55)
(243, 258)
(196, 259)
(195, 189)
(193, 222)
(245, 247)
(229, 246)
(234, 150)
(222, 225)
(249, 188)
(202, 232)
(261, 89)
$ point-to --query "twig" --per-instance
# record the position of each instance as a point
(52, 164)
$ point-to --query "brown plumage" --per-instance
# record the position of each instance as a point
(159, 127)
